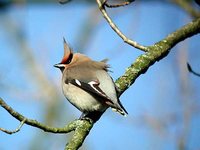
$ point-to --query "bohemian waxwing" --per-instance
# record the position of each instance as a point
(87, 84)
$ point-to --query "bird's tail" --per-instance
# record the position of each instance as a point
(120, 109)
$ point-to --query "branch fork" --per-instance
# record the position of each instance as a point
(152, 54)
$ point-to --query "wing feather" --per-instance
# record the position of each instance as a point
(92, 87)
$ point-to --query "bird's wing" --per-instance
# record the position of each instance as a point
(93, 88)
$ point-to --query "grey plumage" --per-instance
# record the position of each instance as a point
(87, 84)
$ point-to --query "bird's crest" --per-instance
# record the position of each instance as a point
(68, 53)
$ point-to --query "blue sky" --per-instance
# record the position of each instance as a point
(157, 102)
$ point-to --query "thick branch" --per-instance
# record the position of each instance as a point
(142, 63)
(79, 136)
(156, 52)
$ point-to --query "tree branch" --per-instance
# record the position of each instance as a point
(156, 52)
(66, 129)
(64, 1)
(117, 5)
(116, 29)
(14, 131)
(192, 71)
(153, 53)
(79, 135)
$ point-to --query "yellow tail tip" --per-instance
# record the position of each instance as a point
(120, 112)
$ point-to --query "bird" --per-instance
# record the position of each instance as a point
(87, 85)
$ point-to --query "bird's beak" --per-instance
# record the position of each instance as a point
(59, 65)
(56, 65)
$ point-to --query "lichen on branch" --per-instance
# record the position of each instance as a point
(151, 54)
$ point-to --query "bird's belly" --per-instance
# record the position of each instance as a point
(82, 100)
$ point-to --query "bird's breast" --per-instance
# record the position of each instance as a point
(81, 99)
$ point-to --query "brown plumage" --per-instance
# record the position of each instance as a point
(87, 84)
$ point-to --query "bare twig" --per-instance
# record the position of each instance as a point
(16, 130)
(117, 5)
(68, 128)
(192, 71)
(81, 127)
(64, 1)
(116, 29)
(155, 53)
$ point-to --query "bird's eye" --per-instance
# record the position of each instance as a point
(69, 58)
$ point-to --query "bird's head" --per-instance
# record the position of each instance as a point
(67, 57)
